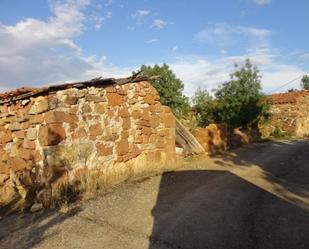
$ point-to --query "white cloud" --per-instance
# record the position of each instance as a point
(99, 20)
(35, 52)
(174, 48)
(196, 71)
(140, 14)
(304, 56)
(262, 2)
(158, 24)
(223, 51)
(152, 41)
(223, 34)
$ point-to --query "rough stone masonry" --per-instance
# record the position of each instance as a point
(289, 113)
(119, 129)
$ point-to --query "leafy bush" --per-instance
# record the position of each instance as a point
(305, 82)
(237, 103)
(205, 107)
(169, 88)
(240, 100)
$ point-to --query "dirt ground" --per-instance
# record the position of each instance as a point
(253, 197)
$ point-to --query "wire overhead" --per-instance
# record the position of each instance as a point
(288, 83)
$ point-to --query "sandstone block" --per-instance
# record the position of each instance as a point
(15, 126)
(100, 108)
(36, 119)
(79, 134)
(20, 134)
(115, 99)
(29, 144)
(59, 117)
(124, 113)
(39, 107)
(122, 147)
(126, 123)
(169, 120)
(149, 99)
(51, 134)
(31, 134)
(95, 98)
(103, 150)
(95, 130)
(86, 108)
(136, 114)
(5, 137)
(70, 100)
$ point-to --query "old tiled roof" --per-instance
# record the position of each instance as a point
(27, 92)
(289, 97)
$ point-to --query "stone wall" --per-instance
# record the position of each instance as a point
(213, 138)
(291, 119)
(122, 130)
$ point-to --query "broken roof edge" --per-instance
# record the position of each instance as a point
(25, 92)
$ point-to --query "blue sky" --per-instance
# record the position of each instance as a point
(44, 42)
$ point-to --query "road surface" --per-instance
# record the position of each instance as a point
(255, 197)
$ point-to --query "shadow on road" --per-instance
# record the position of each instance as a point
(285, 176)
(28, 230)
(217, 209)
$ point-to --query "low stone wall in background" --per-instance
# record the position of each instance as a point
(290, 119)
(121, 130)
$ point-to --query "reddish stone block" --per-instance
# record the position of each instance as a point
(102, 150)
(146, 131)
(142, 123)
(36, 119)
(115, 99)
(5, 137)
(100, 108)
(18, 164)
(126, 123)
(29, 144)
(145, 115)
(124, 112)
(59, 117)
(20, 134)
(169, 120)
(124, 134)
(122, 147)
(79, 134)
(51, 134)
(149, 99)
(136, 114)
(154, 121)
(95, 130)
(4, 108)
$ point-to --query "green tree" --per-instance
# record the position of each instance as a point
(240, 99)
(205, 107)
(305, 82)
(168, 86)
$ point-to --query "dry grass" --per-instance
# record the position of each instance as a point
(91, 183)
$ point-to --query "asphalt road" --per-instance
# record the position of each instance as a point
(255, 197)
